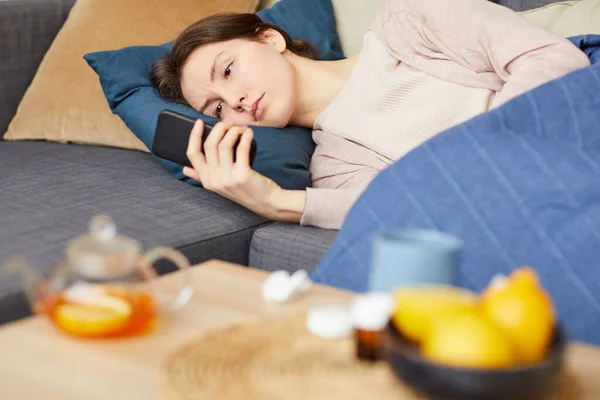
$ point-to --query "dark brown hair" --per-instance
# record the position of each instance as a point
(166, 73)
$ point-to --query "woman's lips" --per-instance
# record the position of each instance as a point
(257, 110)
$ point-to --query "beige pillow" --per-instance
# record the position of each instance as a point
(567, 18)
(64, 102)
(353, 19)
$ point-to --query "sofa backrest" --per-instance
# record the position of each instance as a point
(522, 5)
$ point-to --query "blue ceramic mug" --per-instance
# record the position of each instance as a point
(409, 257)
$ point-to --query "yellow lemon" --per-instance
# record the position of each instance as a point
(525, 313)
(105, 316)
(468, 340)
(416, 307)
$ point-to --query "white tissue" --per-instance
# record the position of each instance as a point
(329, 322)
(300, 282)
(280, 286)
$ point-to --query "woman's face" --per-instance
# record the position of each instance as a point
(242, 82)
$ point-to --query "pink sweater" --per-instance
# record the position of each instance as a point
(473, 43)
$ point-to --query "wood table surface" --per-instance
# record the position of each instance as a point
(39, 362)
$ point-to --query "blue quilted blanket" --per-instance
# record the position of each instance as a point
(519, 184)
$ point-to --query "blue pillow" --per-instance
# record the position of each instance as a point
(283, 154)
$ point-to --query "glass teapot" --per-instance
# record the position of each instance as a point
(102, 287)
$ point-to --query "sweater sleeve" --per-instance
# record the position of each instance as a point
(477, 43)
(341, 170)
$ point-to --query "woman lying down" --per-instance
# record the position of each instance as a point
(425, 65)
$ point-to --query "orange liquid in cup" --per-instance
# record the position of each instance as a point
(119, 313)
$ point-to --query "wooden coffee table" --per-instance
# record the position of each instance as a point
(37, 361)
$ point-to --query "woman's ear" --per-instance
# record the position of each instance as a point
(275, 39)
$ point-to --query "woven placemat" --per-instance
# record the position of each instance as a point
(278, 358)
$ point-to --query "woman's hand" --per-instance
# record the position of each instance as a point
(237, 181)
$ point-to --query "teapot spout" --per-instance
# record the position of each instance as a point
(33, 282)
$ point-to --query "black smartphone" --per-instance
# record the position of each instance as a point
(172, 135)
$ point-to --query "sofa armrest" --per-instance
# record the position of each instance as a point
(27, 28)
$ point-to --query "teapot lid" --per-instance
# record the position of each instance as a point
(102, 253)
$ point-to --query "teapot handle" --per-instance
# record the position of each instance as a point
(147, 264)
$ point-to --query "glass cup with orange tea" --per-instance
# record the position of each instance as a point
(103, 286)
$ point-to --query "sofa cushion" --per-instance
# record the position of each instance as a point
(568, 18)
(547, 16)
(289, 246)
(50, 191)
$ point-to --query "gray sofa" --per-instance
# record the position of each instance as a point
(50, 191)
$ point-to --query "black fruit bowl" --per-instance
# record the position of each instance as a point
(442, 382)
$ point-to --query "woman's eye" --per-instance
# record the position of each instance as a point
(219, 110)
(228, 70)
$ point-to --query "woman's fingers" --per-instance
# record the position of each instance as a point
(194, 149)
(227, 144)
(243, 150)
(211, 145)
(191, 173)
(214, 167)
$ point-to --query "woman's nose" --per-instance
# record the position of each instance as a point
(239, 103)
(240, 106)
